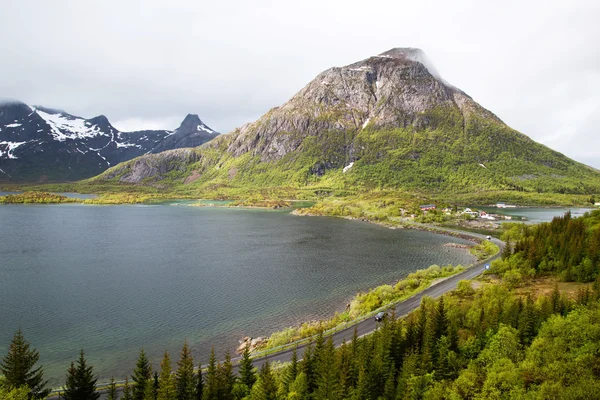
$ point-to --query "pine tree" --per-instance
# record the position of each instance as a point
(112, 390)
(269, 386)
(185, 374)
(246, 371)
(150, 393)
(199, 384)
(344, 365)
(141, 376)
(226, 379)
(298, 388)
(166, 387)
(389, 389)
(327, 378)
(527, 322)
(18, 368)
(507, 252)
(292, 370)
(211, 385)
(127, 390)
(155, 386)
(81, 383)
(441, 319)
(308, 366)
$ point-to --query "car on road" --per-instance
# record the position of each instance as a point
(489, 237)
(380, 316)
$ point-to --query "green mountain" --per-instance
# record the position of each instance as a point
(386, 122)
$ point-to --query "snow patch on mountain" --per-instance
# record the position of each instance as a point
(15, 125)
(9, 147)
(64, 128)
(205, 129)
(119, 145)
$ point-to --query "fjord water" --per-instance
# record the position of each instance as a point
(114, 279)
(535, 215)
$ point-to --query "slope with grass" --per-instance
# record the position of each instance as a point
(388, 122)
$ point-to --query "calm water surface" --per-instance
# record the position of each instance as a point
(535, 215)
(113, 279)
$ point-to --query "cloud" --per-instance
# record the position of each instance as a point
(534, 63)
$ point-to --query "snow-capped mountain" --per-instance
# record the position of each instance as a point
(38, 143)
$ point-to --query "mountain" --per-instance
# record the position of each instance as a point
(38, 143)
(389, 121)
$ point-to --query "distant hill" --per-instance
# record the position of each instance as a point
(389, 121)
(38, 144)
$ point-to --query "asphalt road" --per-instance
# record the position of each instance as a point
(402, 309)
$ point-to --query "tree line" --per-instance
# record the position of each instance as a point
(567, 246)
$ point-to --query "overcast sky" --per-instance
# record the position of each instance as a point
(146, 64)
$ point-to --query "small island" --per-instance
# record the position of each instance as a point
(36, 198)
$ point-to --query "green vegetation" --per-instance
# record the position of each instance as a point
(6, 393)
(20, 374)
(141, 376)
(81, 383)
(261, 203)
(569, 247)
(484, 250)
(36, 197)
(364, 304)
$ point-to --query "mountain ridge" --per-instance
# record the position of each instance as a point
(39, 143)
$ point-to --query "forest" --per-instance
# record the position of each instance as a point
(566, 246)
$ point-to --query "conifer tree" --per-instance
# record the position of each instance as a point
(298, 389)
(269, 386)
(344, 366)
(441, 319)
(308, 366)
(326, 374)
(151, 393)
(292, 370)
(389, 389)
(81, 383)
(141, 376)
(362, 386)
(210, 390)
(127, 390)
(18, 368)
(258, 390)
(507, 252)
(152, 390)
(226, 379)
(199, 384)
(166, 386)
(185, 374)
(112, 390)
(246, 371)
(527, 322)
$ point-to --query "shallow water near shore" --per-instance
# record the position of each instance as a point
(114, 279)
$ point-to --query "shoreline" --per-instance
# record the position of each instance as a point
(473, 237)
(464, 235)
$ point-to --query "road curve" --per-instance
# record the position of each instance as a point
(402, 309)
(369, 325)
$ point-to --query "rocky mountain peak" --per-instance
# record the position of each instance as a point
(100, 120)
(190, 123)
(409, 53)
